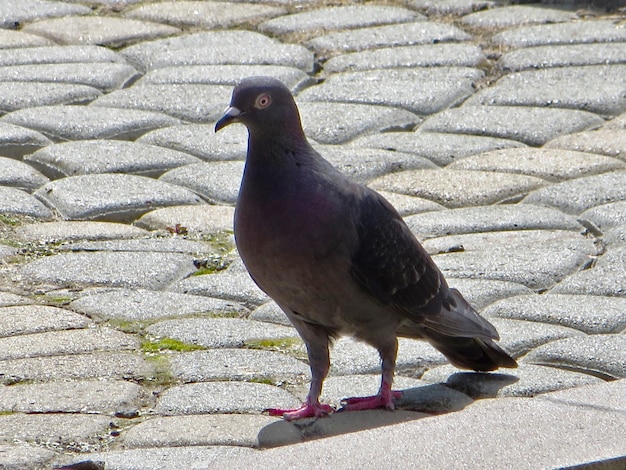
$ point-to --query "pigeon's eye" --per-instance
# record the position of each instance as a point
(263, 101)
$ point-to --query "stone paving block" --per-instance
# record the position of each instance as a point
(103, 365)
(505, 17)
(58, 343)
(603, 141)
(238, 365)
(27, 319)
(205, 219)
(98, 30)
(596, 88)
(157, 245)
(555, 434)
(15, 201)
(201, 141)
(142, 304)
(404, 34)
(616, 235)
(16, 95)
(530, 125)
(440, 148)
(534, 258)
(53, 429)
(600, 355)
(113, 269)
(10, 39)
(104, 76)
(271, 313)
(54, 232)
(458, 188)
(112, 197)
(163, 458)
(219, 332)
(549, 164)
(575, 32)
(432, 55)
(421, 91)
(451, 7)
(204, 15)
(235, 47)
(320, 120)
(526, 381)
(88, 396)
(17, 141)
(59, 54)
(230, 75)
(198, 430)
(607, 277)
(490, 219)
(365, 164)
(617, 123)
(196, 103)
(20, 175)
(589, 313)
(607, 215)
(576, 196)
(88, 122)
(15, 456)
(8, 299)
(564, 55)
(482, 292)
(227, 284)
(107, 156)
(7, 252)
(24, 11)
(339, 17)
(216, 182)
(224, 398)
(408, 205)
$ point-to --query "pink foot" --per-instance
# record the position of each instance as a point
(307, 410)
(382, 400)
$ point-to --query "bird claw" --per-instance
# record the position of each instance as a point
(307, 410)
(382, 400)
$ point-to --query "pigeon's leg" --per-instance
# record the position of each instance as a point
(316, 340)
(385, 396)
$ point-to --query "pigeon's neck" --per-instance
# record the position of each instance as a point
(277, 151)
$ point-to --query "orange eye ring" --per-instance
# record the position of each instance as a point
(263, 101)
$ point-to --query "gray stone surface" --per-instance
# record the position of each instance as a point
(59, 55)
(404, 34)
(596, 88)
(578, 195)
(235, 47)
(88, 122)
(16, 39)
(98, 30)
(223, 397)
(458, 188)
(107, 156)
(505, 17)
(199, 219)
(605, 142)
(432, 55)
(158, 245)
(530, 125)
(447, 7)
(53, 232)
(113, 269)
(16, 201)
(20, 175)
(407, 205)
(339, 17)
(21, 94)
(607, 215)
(28, 319)
(209, 15)
(588, 313)
(198, 430)
(490, 219)
(230, 285)
(58, 343)
(7, 299)
(237, 364)
(17, 141)
(441, 148)
(111, 197)
(482, 292)
(421, 91)
(219, 332)
(545, 163)
(575, 32)
(563, 55)
(24, 11)
(600, 355)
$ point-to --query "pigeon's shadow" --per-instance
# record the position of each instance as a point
(480, 384)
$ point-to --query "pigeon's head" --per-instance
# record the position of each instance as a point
(264, 105)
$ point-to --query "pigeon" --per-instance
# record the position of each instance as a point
(337, 257)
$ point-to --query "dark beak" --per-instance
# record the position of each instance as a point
(230, 116)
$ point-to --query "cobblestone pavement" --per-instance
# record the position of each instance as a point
(132, 337)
